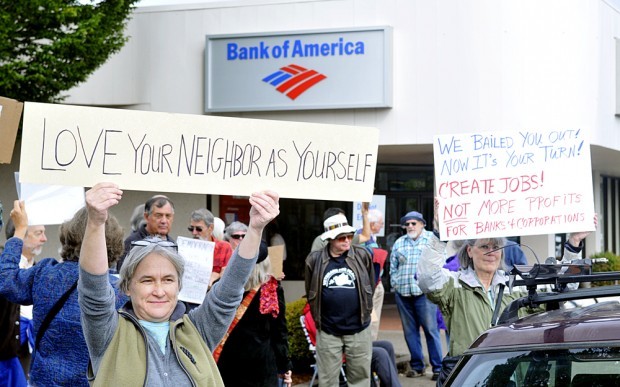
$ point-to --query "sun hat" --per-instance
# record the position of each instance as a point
(412, 215)
(336, 225)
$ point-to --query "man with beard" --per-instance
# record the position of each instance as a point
(33, 245)
(414, 308)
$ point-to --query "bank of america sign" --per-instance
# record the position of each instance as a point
(322, 69)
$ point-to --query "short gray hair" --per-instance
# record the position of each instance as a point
(374, 215)
(233, 228)
(139, 253)
(202, 215)
(464, 259)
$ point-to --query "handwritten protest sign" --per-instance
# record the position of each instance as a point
(198, 256)
(155, 151)
(513, 183)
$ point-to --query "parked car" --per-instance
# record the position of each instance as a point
(571, 344)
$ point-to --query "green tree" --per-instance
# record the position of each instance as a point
(50, 46)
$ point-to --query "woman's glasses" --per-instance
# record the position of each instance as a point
(237, 236)
(192, 228)
(156, 241)
(342, 238)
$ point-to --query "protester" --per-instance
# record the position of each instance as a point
(60, 355)
(319, 243)
(234, 233)
(159, 216)
(34, 241)
(11, 371)
(137, 218)
(258, 336)
(471, 293)
(340, 281)
(151, 341)
(414, 308)
(201, 224)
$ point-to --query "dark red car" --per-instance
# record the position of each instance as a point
(574, 345)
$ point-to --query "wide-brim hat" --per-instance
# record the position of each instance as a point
(336, 225)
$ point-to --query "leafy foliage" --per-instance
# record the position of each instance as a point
(612, 264)
(50, 46)
(298, 345)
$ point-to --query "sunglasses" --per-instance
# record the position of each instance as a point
(155, 241)
(411, 224)
(237, 236)
(342, 238)
(192, 228)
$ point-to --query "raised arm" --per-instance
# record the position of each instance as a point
(99, 199)
(265, 207)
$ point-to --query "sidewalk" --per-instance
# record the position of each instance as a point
(391, 329)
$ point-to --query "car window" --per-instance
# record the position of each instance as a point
(595, 366)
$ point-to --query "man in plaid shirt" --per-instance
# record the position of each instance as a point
(413, 307)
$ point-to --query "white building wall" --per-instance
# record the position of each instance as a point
(458, 66)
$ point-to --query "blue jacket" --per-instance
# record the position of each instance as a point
(62, 346)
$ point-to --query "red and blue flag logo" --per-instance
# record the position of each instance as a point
(293, 80)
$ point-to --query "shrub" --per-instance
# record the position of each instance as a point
(612, 264)
(298, 345)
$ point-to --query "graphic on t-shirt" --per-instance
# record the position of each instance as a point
(339, 278)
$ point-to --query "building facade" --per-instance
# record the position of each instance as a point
(456, 67)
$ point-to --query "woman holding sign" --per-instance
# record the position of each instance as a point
(470, 294)
(258, 336)
(151, 339)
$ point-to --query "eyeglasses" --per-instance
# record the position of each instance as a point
(342, 238)
(237, 236)
(155, 241)
(411, 224)
(192, 228)
(488, 248)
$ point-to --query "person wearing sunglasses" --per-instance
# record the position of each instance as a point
(201, 224)
(151, 340)
(414, 308)
(340, 282)
(235, 233)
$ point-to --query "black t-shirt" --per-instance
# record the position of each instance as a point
(340, 300)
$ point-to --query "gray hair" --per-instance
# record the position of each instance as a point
(137, 217)
(260, 275)
(466, 261)
(374, 215)
(139, 253)
(202, 215)
(233, 228)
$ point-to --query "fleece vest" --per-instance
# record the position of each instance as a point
(125, 360)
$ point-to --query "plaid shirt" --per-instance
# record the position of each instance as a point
(404, 263)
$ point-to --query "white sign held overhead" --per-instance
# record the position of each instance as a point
(198, 256)
(526, 182)
(152, 151)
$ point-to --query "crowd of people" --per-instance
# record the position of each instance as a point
(108, 313)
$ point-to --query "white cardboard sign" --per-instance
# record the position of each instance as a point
(154, 151)
(198, 256)
(527, 182)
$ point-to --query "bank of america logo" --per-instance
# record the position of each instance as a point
(294, 80)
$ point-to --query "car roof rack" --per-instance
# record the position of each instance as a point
(559, 276)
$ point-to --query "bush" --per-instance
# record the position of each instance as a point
(612, 264)
(297, 343)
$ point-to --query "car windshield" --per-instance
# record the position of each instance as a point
(594, 366)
